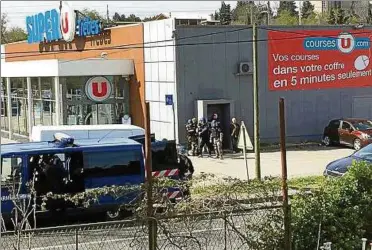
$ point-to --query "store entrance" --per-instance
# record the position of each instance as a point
(79, 109)
(88, 114)
(93, 114)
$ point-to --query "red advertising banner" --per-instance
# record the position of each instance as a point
(319, 59)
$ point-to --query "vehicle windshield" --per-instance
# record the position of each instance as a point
(365, 153)
(362, 125)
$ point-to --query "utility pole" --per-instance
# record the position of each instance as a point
(108, 15)
(148, 161)
(299, 13)
(286, 211)
(256, 105)
(251, 8)
(268, 13)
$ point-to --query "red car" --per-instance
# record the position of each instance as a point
(356, 133)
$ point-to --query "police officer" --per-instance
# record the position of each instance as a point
(203, 133)
(216, 136)
(234, 133)
(194, 136)
(188, 126)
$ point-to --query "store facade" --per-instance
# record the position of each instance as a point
(62, 92)
(208, 69)
(189, 71)
(73, 82)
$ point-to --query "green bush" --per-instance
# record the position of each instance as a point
(339, 212)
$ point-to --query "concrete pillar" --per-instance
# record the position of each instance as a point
(58, 99)
(9, 107)
(30, 107)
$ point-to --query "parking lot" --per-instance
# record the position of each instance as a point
(301, 161)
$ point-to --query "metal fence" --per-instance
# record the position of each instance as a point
(249, 229)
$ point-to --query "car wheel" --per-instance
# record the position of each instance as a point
(357, 144)
(327, 141)
(113, 214)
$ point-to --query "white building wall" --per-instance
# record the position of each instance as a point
(318, 6)
(160, 76)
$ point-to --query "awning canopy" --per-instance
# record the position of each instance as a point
(56, 67)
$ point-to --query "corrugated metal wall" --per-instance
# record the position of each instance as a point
(207, 71)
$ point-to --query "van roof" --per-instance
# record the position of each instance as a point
(86, 127)
(87, 144)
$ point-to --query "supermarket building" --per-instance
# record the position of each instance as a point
(187, 71)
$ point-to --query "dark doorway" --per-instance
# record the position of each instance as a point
(223, 111)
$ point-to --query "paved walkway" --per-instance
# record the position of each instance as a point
(300, 162)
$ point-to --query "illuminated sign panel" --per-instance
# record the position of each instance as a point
(52, 26)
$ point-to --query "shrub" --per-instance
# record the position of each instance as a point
(339, 212)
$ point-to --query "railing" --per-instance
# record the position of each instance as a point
(257, 228)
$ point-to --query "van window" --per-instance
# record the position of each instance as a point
(11, 168)
(116, 163)
(57, 172)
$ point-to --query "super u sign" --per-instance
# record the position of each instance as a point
(98, 89)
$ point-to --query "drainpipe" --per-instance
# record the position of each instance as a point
(30, 106)
(9, 107)
(57, 94)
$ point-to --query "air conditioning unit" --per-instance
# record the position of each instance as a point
(245, 68)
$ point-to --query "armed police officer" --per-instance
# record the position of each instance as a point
(188, 125)
(192, 138)
(203, 133)
(216, 137)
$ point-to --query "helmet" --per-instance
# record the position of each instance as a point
(188, 121)
(193, 120)
(202, 120)
(214, 116)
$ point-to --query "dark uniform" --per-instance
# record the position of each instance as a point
(203, 133)
(188, 125)
(192, 139)
(216, 137)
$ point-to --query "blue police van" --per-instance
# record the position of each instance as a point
(65, 166)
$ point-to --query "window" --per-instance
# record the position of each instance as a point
(106, 164)
(334, 124)
(62, 172)
(363, 125)
(346, 125)
(79, 109)
(10, 170)
(365, 153)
